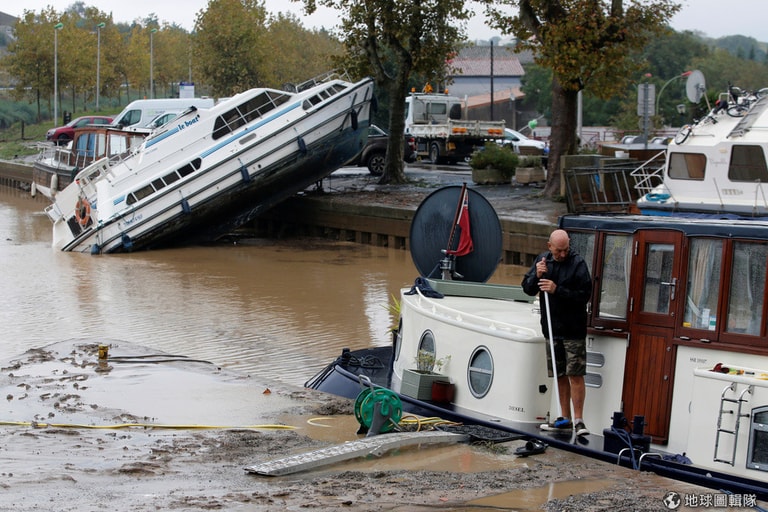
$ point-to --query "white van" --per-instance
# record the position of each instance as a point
(140, 113)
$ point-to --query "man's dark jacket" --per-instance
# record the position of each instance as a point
(568, 304)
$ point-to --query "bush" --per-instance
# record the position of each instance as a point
(501, 158)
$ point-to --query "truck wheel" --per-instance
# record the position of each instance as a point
(376, 164)
(434, 153)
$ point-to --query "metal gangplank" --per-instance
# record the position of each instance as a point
(740, 401)
(375, 445)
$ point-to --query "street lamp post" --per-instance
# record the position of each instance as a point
(658, 98)
(56, 29)
(151, 63)
(98, 62)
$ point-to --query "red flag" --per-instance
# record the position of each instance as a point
(465, 238)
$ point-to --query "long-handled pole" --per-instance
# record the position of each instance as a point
(552, 350)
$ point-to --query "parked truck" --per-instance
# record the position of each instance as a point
(437, 122)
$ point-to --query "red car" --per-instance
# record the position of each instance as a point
(64, 134)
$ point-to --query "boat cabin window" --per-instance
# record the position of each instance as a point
(747, 288)
(583, 244)
(687, 166)
(748, 164)
(246, 112)
(159, 183)
(613, 292)
(322, 96)
(703, 284)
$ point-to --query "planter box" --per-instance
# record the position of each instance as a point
(490, 176)
(418, 385)
(529, 175)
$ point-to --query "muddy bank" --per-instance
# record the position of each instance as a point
(143, 431)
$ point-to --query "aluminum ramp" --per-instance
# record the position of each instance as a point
(375, 445)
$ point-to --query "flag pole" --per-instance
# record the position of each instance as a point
(446, 265)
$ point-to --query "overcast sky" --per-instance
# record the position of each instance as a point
(715, 18)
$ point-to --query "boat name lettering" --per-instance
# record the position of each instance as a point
(515, 408)
(133, 219)
(189, 122)
(732, 192)
(698, 360)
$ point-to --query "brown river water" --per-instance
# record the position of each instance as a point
(280, 309)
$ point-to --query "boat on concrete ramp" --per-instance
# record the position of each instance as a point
(212, 170)
(677, 360)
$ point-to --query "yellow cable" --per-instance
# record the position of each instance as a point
(37, 424)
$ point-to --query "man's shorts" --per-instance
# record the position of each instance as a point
(570, 357)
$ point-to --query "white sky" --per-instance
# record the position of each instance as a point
(714, 18)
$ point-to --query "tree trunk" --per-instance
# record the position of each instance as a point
(563, 137)
(394, 170)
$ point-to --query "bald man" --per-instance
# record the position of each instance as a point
(563, 275)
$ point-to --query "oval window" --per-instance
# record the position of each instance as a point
(480, 372)
(425, 357)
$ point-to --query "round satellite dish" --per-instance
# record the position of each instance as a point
(431, 231)
(695, 86)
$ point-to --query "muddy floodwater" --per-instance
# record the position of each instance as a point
(279, 309)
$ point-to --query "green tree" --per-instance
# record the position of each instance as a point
(30, 58)
(586, 44)
(229, 45)
(302, 53)
(391, 41)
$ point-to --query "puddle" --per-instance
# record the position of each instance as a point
(532, 499)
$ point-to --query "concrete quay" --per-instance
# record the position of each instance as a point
(350, 205)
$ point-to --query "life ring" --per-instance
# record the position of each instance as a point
(83, 212)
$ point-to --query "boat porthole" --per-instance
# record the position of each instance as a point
(425, 356)
(480, 372)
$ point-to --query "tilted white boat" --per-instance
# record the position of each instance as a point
(677, 343)
(214, 169)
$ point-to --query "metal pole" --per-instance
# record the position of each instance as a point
(151, 63)
(56, 29)
(98, 63)
(552, 349)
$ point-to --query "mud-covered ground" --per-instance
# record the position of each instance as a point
(79, 434)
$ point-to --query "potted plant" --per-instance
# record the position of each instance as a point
(530, 169)
(425, 380)
(493, 164)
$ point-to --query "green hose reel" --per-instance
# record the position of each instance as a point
(390, 407)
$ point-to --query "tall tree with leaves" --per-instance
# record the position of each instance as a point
(229, 44)
(31, 57)
(391, 40)
(586, 44)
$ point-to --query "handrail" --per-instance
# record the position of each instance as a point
(479, 323)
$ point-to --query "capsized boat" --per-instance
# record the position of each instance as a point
(211, 170)
(677, 377)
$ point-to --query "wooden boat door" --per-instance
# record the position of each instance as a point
(654, 293)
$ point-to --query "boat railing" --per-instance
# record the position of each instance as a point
(325, 77)
(611, 187)
(650, 174)
(476, 323)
